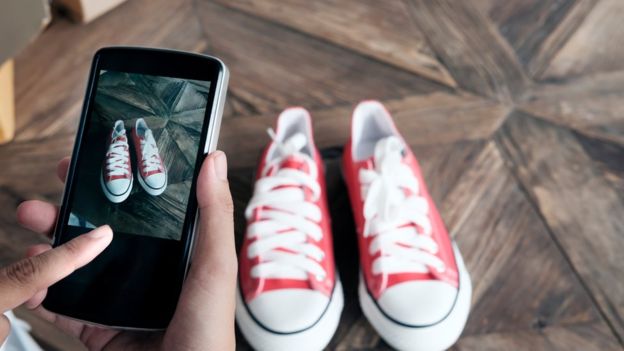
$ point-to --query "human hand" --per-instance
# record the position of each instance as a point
(204, 317)
(29, 278)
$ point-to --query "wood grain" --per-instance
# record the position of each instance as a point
(608, 158)
(537, 29)
(595, 47)
(272, 66)
(430, 119)
(477, 57)
(491, 218)
(30, 170)
(558, 37)
(379, 29)
(589, 337)
(579, 206)
(591, 105)
(525, 24)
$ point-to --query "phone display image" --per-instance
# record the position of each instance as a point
(139, 150)
(117, 178)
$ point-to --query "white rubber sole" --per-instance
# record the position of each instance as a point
(439, 336)
(151, 191)
(312, 339)
(116, 198)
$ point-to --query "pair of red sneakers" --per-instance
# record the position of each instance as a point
(116, 178)
(414, 288)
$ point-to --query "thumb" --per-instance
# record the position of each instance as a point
(215, 248)
(205, 313)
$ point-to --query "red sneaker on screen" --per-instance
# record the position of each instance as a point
(151, 170)
(289, 295)
(116, 179)
(414, 287)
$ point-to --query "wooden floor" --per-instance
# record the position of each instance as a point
(515, 108)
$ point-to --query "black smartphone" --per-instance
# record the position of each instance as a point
(149, 118)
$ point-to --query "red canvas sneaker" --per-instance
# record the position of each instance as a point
(414, 288)
(289, 295)
(151, 170)
(116, 178)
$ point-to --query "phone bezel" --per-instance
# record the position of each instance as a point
(158, 62)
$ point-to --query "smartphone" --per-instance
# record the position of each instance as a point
(150, 116)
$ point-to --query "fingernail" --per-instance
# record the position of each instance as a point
(220, 165)
(99, 232)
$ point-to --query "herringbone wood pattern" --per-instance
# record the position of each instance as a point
(512, 106)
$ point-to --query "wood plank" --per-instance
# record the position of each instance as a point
(590, 105)
(273, 66)
(588, 337)
(379, 29)
(558, 37)
(596, 46)
(476, 55)
(30, 169)
(51, 74)
(525, 24)
(492, 220)
(537, 29)
(581, 208)
(608, 156)
(430, 119)
(443, 165)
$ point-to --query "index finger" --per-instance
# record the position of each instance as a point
(23, 279)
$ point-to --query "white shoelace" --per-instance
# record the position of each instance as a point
(117, 157)
(392, 210)
(149, 151)
(287, 220)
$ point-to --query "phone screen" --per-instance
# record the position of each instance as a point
(138, 154)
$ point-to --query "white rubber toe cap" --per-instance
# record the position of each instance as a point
(156, 181)
(118, 187)
(418, 303)
(288, 310)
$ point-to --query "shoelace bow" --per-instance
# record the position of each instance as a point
(395, 215)
(149, 151)
(287, 221)
(117, 156)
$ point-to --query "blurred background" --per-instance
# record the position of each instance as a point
(513, 107)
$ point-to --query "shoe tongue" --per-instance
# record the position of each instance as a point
(293, 144)
(295, 162)
(149, 137)
(118, 134)
(391, 145)
(390, 149)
